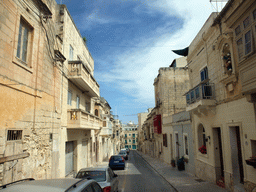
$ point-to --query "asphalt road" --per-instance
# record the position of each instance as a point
(139, 176)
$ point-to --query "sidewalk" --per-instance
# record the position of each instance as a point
(180, 180)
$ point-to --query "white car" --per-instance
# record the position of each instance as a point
(105, 177)
(126, 149)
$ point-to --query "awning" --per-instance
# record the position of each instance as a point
(183, 52)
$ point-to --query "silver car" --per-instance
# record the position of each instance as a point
(106, 178)
(52, 185)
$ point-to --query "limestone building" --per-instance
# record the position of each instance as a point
(81, 122)
(170, 85)
(30, 75)
(130, 136)
(221, 98)
(102, 108)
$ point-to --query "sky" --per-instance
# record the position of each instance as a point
(130, 40)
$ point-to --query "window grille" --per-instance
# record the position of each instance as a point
(13, 135)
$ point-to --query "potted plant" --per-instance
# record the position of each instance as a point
(173, 162)
(202, 149)
(251, 161)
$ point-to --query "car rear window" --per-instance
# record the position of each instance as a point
(96, 175)
(122, 152)
(116, 158)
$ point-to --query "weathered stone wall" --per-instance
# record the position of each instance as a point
(30, 97)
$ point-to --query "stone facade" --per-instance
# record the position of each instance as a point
(81, 142)
(130, 136)
(223, 119)
(170, 86)
(29, 91)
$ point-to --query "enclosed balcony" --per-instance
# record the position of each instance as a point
(201, 97)
(80, 119)
(80, 75)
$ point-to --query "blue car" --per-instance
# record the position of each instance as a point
(116, 162)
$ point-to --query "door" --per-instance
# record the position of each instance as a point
(236, 155)
(218, 154)
(177, 146)
(171, 148)
(85, 153)
(69, 157)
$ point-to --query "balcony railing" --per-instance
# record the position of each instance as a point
(105, 131)
(80, 75)
(80, 119)
(200, 96)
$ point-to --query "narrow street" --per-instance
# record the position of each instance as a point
(139, 176)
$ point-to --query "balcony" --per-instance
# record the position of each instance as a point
(105, 131)
(247, 75)
(80, 75)
(201, 97)
(80, 119)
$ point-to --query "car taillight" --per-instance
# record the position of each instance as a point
(107, 189)
(122, 159)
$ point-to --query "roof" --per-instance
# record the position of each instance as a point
(54, 185)
(94, 169)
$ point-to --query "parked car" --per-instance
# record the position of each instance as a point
(116, 162)
(127, 150)
(52, 185)
(106, 178)
(123, 154)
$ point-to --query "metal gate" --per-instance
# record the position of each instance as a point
(69, 157)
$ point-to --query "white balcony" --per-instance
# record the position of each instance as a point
(80, 119)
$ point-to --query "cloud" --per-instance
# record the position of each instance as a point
(136, 68)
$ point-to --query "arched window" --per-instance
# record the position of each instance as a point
(201, 139)
(96, 112)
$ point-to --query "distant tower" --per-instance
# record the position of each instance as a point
(218, 4)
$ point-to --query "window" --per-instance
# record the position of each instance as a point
(96, 113)
(248, 42)
(244, 36)
(23, 41)
(133, 135)
(239, 44)
(165, 140)
(125, 135)
(130, 140)
(202, 139)
(13, 135)
(69, 97)
(246, 22)
(88, 107)
(77, 102)
(125, 141)
(133, 141)
(254, 14)
(204, 74)
(71, 51)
